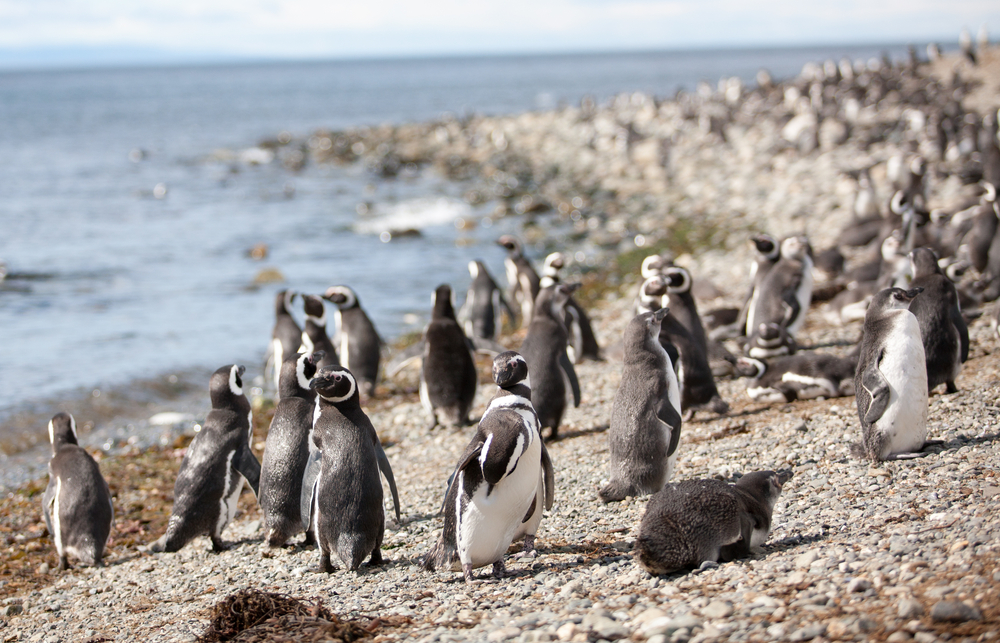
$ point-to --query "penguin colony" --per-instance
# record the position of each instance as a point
(925, 274)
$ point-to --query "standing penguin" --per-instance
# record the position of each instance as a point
(785, 292)
(942, 327)
(448, 377)
(358, 341)
(890, 384)
(286, 337)
(645, 415)
(694, 522)
(286, 451)
(314, 337)
(544, 349)
(496, 483)
(77, 502)
(523, 281)
(213, 470)
(480, 314)
(768, 253)
(348, 515)
(582, 341)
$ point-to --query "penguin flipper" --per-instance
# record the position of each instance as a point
(48, 504)
(383, 465)
(570, 373)
(548, 478)
(405, 358)
(309, 480)
(741, 547)
(669, 416)
(471, 453)
(963, 332)
(248, 467)
(877, 388)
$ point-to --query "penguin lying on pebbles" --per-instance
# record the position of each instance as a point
(582, 341)
(358, 342)
(347, 513)
(553, 377)
(942, 328)
(213, 470)
(890, 384)
(286, 451)
(645, 416)
(498, 478)
(698, 522)
(77, 502)
(314, 337)
(522, 279)
(800, 377)
(480, 314)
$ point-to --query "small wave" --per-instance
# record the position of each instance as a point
(414, 214)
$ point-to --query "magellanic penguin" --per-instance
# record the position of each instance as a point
(448, 377)
(77, 502)
(523, 281)
(496, 484)
(286, 337)
(286, 451)
(314, 336)
(553, 377)
(645, 416)
(582, 341)
(768, 252)
(690, 523)
(347, 512)
(802, 376)
(784, 296)
(480, 314)
(213, 470)
(358, 342)
(942, 328)
(890, 384)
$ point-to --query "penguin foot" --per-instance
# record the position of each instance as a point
(949, 387)
(499, 569)
(309, 540)
(707, 565)
(63, 563)
(324, 563)
(528, 551)
(688, 415)
(376, 559)
(218, 545)
(906, 456)
(469, 578)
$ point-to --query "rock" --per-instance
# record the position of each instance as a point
(605, 627)
(808, 632)
(803, 561)
(566, 631)
(954, 612)
(899, 636)
(503, 634)
(908, 608)
(925, 637)
(11, 610)
(858, 585)
(717, 609)
(668, 626)
(43, 568)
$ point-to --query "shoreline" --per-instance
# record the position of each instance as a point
(852, 546)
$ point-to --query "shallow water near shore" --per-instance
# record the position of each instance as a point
(127, 231)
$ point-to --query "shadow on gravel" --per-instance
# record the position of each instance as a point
(577, 433)
(791, 542)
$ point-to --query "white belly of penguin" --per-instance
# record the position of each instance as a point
(904, 367)
(804, 296)
(230, 495)
(487, 526)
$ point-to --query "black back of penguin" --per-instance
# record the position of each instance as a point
(213, 470)
(314, 337)
(483, 303)
(359, 344)
(943, 330)
(77, 502)
(581, 338)
(349, 518)
(553, 377)
(286, 336)
(286, 451)
(448, 372)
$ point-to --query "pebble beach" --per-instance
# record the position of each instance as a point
(896, 552)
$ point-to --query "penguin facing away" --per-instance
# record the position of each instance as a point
(358, 342)
(544, 349)
(582, 341)
(890, 384)
(286, 451)
(314, 336)
(690, 523)
(77, 502)
(286, 336)
(448, 377)
(942, 328)
(480, 314)
(348, 516)
(214, 468)
(496, 484)
(645, 416)
(522, 279)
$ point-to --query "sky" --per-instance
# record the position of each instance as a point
(59, 32)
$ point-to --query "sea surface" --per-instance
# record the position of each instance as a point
(126, 233)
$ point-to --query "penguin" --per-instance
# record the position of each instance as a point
(214, 468)
(448, 377)
(522, 279)
(496, 483)
(799, 377)
(286, 450)
(582, 341)
(314, 337)
(691, 523)
(785, 292)
(943, 330)
(347, 512)
(286, 337)
(768, 251)
(654, 264)
(890, 383)
(544, 349)
(650, 299)
(77, 501)
(480, 314)
(683, 329)
(645, 415)
(358, 342)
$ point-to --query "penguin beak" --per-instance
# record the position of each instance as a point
(783, 476)
(316, 356)
(661, 314)
(240, 370)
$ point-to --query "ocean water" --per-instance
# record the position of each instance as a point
(126, 233)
